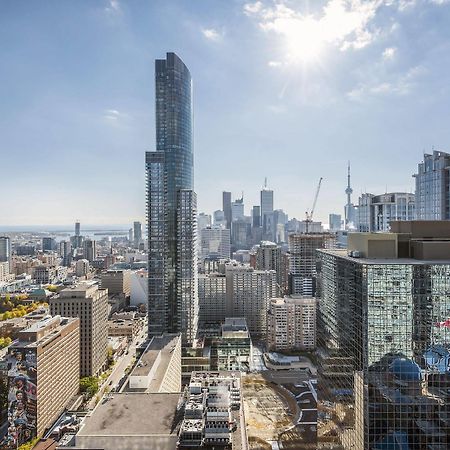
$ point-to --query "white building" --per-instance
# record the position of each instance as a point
(139, 287)
(291, 323)
(81, 267)
(214, 241)
(203, 221)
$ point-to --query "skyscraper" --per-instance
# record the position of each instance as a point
(226, 207)
(267, 211)
(334, 222)
(171, 204)
(384, 339)
(433, 187)
(89, 250)
(77, 228)
(5, 249)
(137, 232)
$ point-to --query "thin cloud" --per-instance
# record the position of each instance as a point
(389, 53)
(112, 115)
(401, 84)
(212, 34)
(346, 24)
(274, 63)
(113, 7)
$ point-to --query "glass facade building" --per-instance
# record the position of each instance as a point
(384, 340)
(171, 204)
(433, 187)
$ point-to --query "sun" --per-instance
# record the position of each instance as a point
(304, 40)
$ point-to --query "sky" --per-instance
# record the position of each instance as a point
(288, 90)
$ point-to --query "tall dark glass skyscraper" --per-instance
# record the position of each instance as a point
(171, 206)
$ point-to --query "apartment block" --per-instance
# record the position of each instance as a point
(90, 303)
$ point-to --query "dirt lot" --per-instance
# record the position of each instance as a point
(269, 410)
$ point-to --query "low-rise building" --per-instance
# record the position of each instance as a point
(159, 367)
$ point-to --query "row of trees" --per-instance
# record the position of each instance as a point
(20, 310)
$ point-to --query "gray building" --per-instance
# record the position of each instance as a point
(89, 250)
(137, 233)
(5, 249)
(226, 208)
(335, 221)
(214, 242)
(171, 205)
(383, 339)
(433, 187)
(212, 298)
(376, 212)
(266, 196)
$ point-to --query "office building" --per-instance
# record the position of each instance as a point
(433, 187)
(215, 241)
(203, 221)
(130, 236)
(43, 376)
(291, 323)
(240, 231)
(376, 212)
(335, 222)
(237, 209)
(5, 249)
(303, 257)
(90, 304)
(137, 234)
(226, 207)
(383, 339)
(219, 219)
(65, 251)
(248, 295)
(77, 229)
(171, 206)
(89, 250)
(212, 298)
(266, 197)
(256, 216)
(48, 244)
(117, 281)
(82, 267)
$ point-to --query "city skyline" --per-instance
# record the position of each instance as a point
(375, 64)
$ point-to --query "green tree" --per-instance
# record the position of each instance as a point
(89, 386)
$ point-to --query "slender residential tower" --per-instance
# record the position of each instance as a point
(171, 206)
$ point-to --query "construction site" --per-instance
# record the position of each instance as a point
(272, 414)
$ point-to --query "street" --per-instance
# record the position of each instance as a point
(120, 366)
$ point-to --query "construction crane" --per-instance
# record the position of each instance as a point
(309, 215)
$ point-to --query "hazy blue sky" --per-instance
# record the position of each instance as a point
(285, 89)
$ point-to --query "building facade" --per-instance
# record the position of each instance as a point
(302, 256)
(171, 205)
(214, 241)
(291, 323)
(384, 340)
(226, 208)
(433, 187)
(90, 304)
(43, 376)
(212, 299)
(248, 295)
(376, 212)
